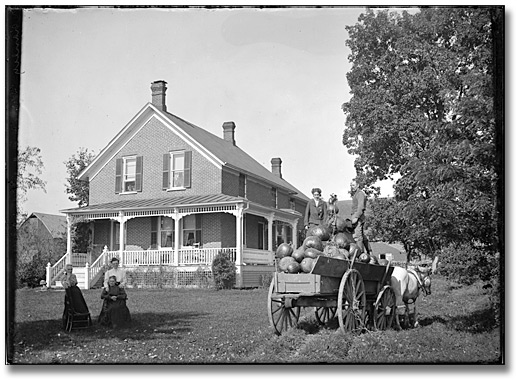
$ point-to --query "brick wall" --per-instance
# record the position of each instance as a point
(152, 141)
(138, 232)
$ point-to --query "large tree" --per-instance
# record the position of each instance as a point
(422, 111)
(30, 167)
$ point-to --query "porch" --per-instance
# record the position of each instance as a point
(247, 232)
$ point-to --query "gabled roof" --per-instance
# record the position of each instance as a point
(55, 224)
(231, 155)
(220, 152)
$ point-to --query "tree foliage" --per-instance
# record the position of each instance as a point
(78, 190)
(422, 109)
(30, 167)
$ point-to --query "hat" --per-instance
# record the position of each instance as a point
(316, 190)
(114, 259)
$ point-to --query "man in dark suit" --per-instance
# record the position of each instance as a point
(316, 211)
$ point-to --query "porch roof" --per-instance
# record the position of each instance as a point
(147, 204)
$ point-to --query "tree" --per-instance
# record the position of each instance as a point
(30, 167)
(78, 190)
(422, 108)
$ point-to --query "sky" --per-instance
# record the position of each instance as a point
(279, 74)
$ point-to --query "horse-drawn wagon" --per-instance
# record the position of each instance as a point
(358, 294)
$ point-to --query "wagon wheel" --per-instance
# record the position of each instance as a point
(384, 309)
(324, 314)
(281, 318)
(351, 301)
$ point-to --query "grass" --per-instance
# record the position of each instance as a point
(189, 326)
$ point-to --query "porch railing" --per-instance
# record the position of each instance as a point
(187, 256)
(135, 258)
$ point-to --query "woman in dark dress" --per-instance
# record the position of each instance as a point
(70, 282)
(114, 312)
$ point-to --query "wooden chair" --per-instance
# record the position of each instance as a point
(73, 319)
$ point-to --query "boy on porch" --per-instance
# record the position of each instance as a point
(119, 273)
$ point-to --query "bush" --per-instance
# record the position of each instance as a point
(30, 273)
(224, 272)
(467, 265)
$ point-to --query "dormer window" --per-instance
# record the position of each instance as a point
(177, 170)
(129, 174)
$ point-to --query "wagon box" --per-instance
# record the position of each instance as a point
(305, 283)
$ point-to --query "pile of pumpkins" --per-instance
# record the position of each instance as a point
(320, 242)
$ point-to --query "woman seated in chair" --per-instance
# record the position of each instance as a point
(70, 283)
(114, 312)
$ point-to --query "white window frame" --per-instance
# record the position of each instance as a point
(180, 154)
(124, 179)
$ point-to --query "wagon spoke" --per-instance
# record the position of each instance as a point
(351, 301)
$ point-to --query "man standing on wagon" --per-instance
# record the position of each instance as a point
(359, 205)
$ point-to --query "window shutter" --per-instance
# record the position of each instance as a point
(139, 173)
(166, 171)
(187, 169)
(119, 169)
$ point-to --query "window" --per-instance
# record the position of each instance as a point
(129, 174)
(274, 197)
(167, 232)
(153, 232)
(292, 204)
(192, 230)
(242, 185)
(177, 170)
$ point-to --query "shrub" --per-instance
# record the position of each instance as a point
(467, 265)
(224, 272)
(30, 273)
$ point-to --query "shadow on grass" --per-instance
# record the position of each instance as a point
(478, 322)
(49, 334)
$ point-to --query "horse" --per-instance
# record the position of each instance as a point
(407, 285)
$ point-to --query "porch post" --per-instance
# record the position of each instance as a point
(239, 233)
(177, 237)
(239, 213)
(295, 232)
(121, 236)
(68, 260)
(270, 222)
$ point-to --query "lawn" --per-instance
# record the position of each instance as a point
(188, 326)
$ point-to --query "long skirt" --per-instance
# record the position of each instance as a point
(114, 314)
(76, 300)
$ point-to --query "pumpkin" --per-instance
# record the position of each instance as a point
(321, 232)
(339, 255)
(342, 240)
(284, 250)
(299, 254)
(312, 253)
(293, 267)
(330, 250)
(307, 264)
(284, 263)
(313, 242)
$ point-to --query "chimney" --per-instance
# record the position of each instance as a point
(159, 94)
(229, 131)
(276, 166)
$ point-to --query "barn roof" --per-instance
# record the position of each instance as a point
(55, 224)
